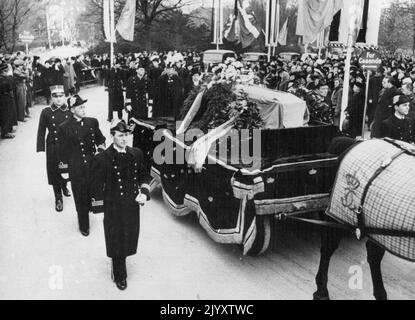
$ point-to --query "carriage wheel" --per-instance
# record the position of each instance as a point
(263, 236)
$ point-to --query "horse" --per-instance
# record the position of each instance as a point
(331, 238)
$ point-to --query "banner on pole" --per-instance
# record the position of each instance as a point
(107, 23)
(126, 23)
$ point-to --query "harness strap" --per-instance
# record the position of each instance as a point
(361, 226)
(335, 225)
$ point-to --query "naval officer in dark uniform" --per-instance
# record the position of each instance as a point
(79, 140)
(399, 126)
(50, 119)
(119, 178)
(137, 90)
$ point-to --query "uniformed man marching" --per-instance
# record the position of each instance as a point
(115, 85)
(50, 119)
(120, 179)
(79, 139)
(137, 90)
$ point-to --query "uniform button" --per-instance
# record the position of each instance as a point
(85, 161)
(54, 124)
(66, 117)
(56, 139)
(119, 180)
(121, 194)
(118, 173)
(115, 167)
(84, 155)
(120, 187)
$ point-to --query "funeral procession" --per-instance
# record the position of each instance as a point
(207, 150)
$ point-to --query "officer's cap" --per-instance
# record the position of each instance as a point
(401, 99)
(57, 89)
(120, 126)
(76, 101)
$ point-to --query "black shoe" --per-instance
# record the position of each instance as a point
(59, 205)
(122, 285)
(85, 233)
(65, 191)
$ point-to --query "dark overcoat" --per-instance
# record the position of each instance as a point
(50, 119)
(115, 85)
(399, 129)
(356, 110)
(137, 90)
(116, 178)
(7, 104)
(384, 110)
(77, 145)
(171, 96)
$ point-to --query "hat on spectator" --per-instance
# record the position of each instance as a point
(3, 66)
(76, 101)
(407, 80)
(18, 62)
(57, 60)
(57, 89)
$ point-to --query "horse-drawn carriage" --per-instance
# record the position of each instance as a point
(285, 168)
(293, 168)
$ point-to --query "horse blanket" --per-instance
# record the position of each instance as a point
(377, 178)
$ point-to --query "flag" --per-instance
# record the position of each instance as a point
(107, 28)
(347, 15)
(373, 22)
(314, 16)
(231, 32)
(248, 30)
(282, 40)
(126, 23)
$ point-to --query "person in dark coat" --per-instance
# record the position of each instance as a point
(119, 178)
(375, 87)
(57, 72)
(115, 85)
(79, 137)
(171, 94)
(355, 110)
(384, 108)
(399, 126)
(50, 119)
(7, 104)
(154, 76)
(20, 76)
(137, 89)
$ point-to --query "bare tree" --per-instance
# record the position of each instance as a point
(12, 13)
(148, 12)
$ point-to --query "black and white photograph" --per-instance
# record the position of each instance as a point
(187, 151)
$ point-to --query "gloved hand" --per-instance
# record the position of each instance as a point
(141, 199)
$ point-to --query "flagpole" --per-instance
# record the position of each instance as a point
(278, 27)
(346, 84)
(267, 32)
(112, 31)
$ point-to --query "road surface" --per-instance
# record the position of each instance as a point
(43, 255)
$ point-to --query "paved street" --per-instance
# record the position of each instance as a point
(176, 259)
